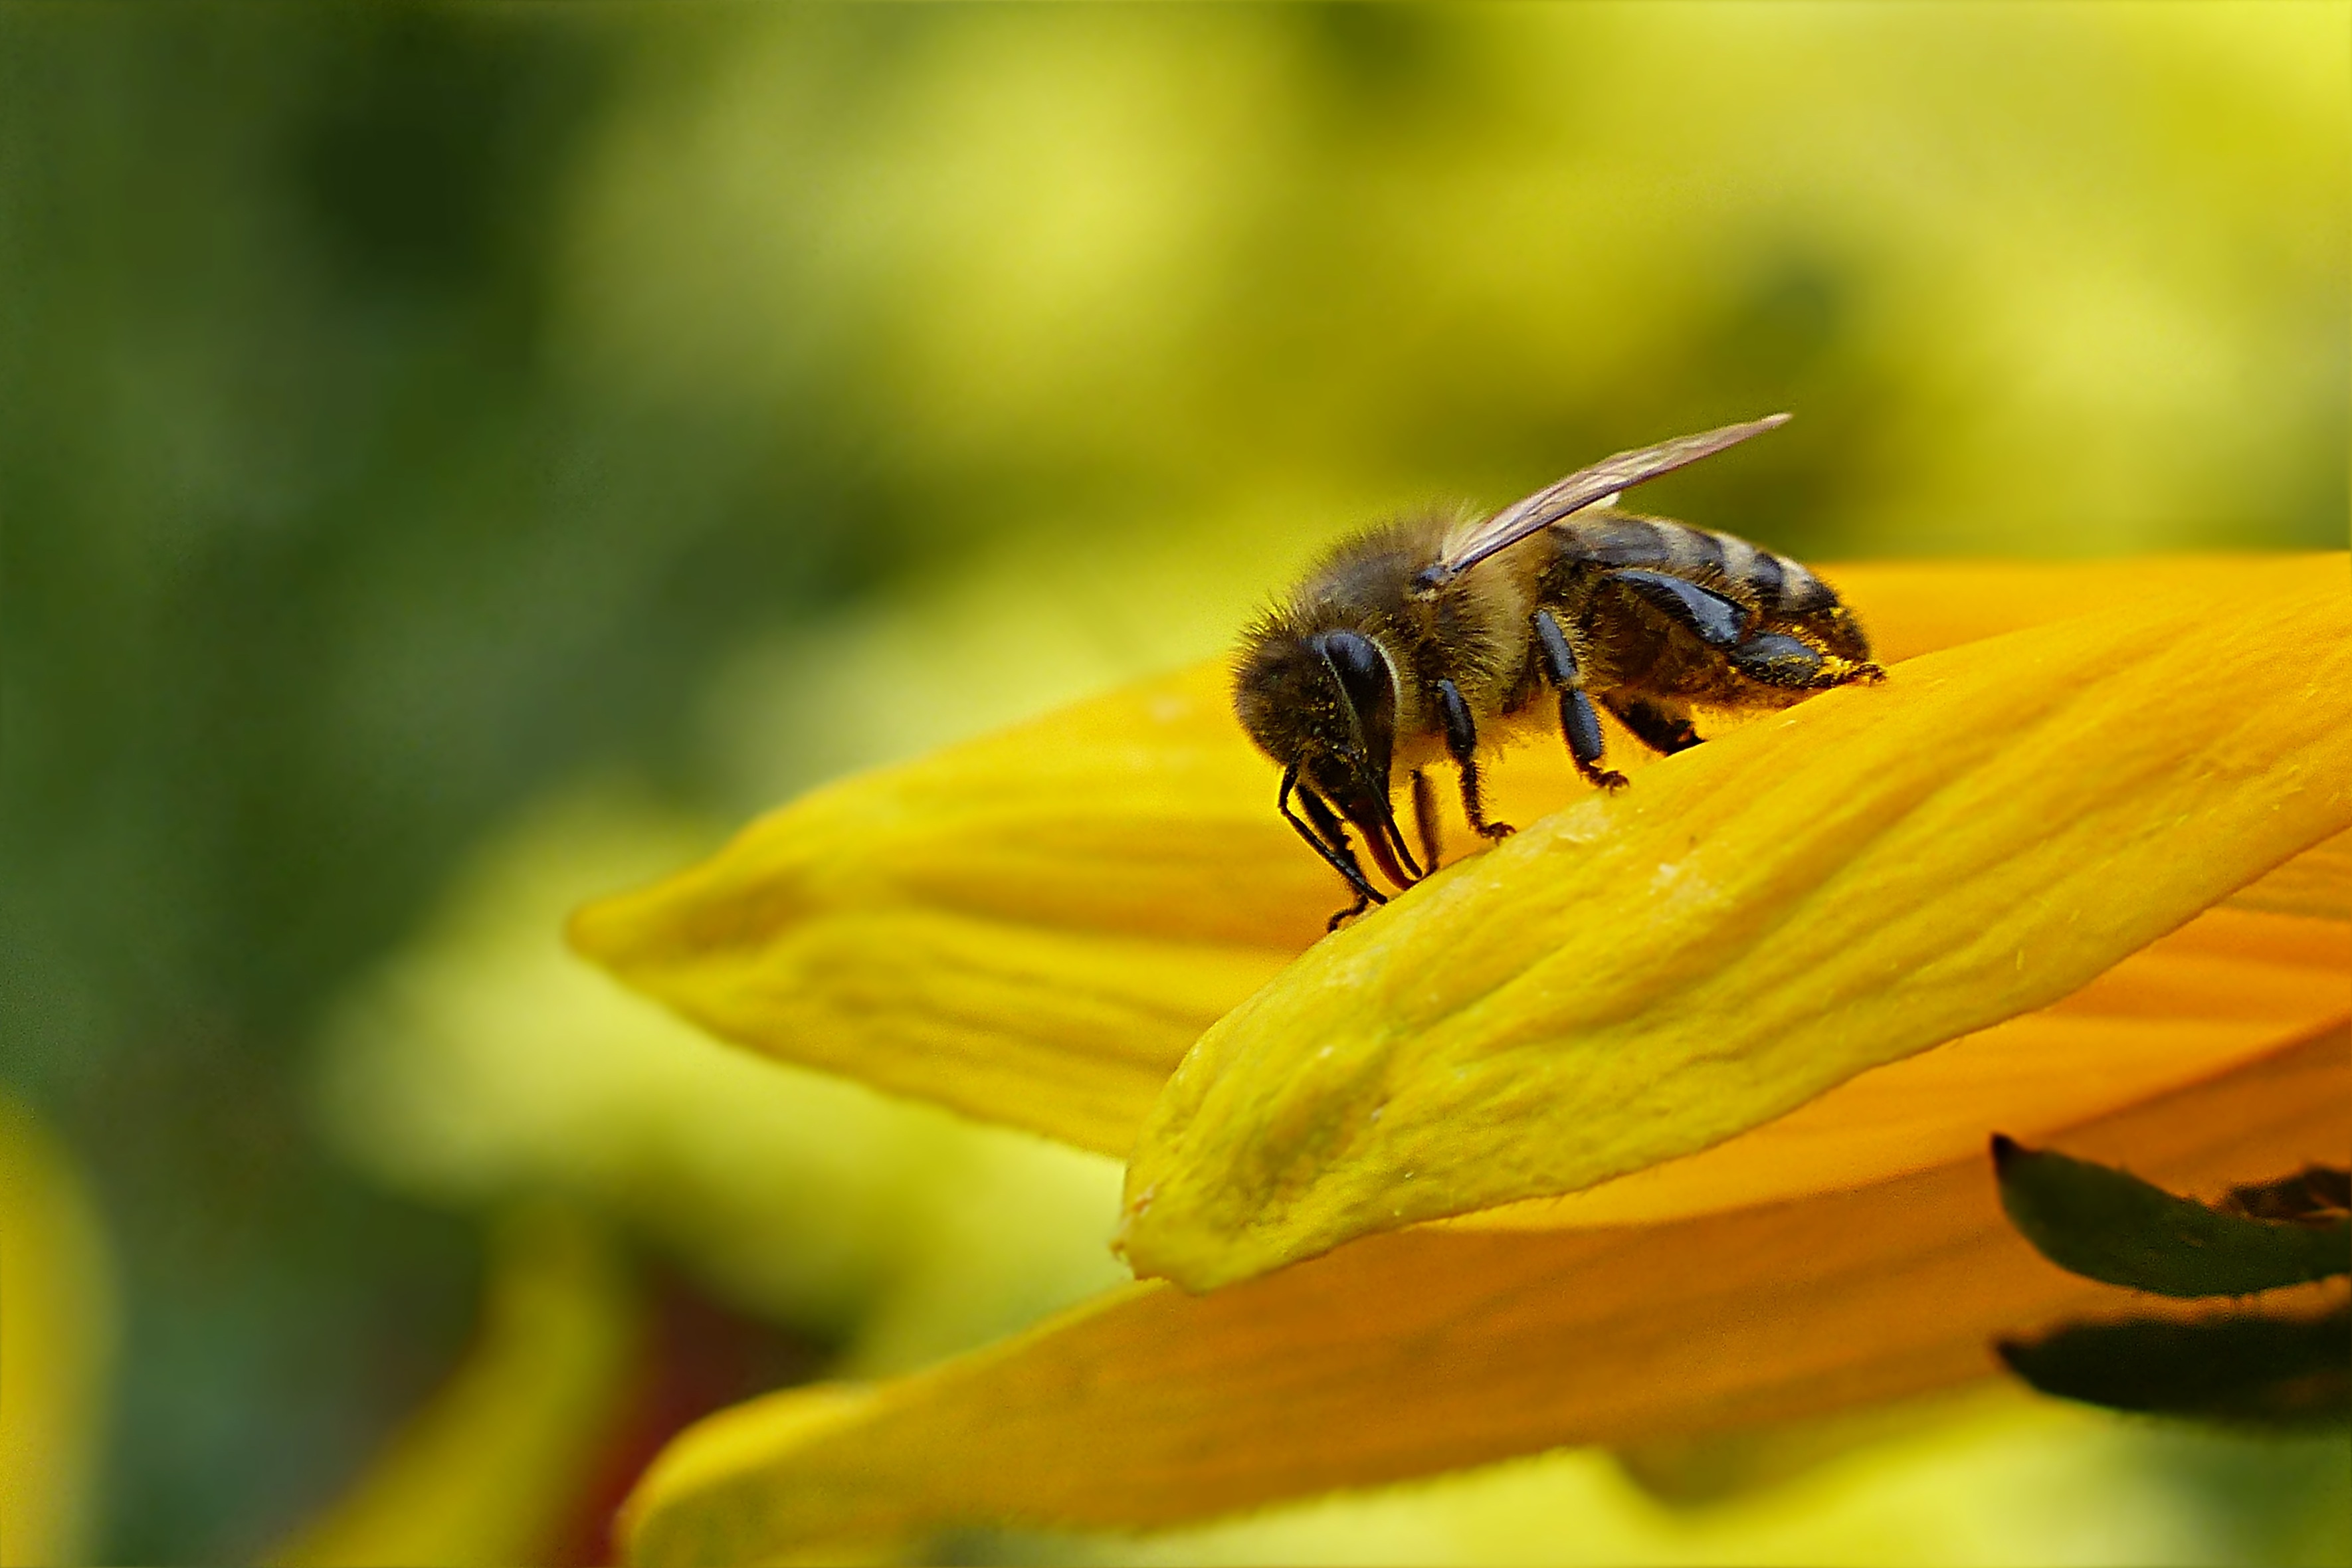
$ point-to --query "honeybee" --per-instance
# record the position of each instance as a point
(1419, 640)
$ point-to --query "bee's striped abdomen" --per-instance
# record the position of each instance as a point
(1775, 584)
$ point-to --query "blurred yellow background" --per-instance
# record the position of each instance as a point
(462, 460)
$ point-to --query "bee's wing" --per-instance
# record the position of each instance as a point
(1586, 486)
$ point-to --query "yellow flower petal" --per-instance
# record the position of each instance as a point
(2221, 991)
(57, 1346)
(1913, 608)
(1032, 928)
(506, 1453)
(1442, 1347)
(2316, 882)
(1642, 975)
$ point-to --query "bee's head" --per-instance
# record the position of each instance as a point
(1325, 704)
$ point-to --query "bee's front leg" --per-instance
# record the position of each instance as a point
(1328, 837)
(1577, 722)
(1461, 742)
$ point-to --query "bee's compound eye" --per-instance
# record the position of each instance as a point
(1363, 673)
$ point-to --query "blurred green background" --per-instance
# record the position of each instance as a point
(459, 460)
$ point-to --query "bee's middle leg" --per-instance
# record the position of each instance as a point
(1577, 722)
(1461, 742)
(1424, 817)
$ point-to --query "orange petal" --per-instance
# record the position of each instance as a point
(1440, 1347)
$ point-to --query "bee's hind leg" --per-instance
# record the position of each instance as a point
(1663, 730)
(1461, 742)
(1773, 658)
(1709, 616)
(1578, 723)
